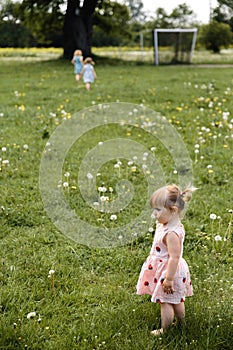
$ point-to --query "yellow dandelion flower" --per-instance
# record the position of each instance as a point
(225, 146)
(210, 171)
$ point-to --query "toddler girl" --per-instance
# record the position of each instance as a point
(78, 64)
(88, 72)
(165, 274)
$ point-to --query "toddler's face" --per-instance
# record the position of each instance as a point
(163, 215)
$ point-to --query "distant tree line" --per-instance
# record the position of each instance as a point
(76, 23)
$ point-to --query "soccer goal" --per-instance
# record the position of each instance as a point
(173, 46)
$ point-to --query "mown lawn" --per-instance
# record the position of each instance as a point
(90, 302)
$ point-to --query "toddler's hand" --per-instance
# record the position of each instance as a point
(168, 286)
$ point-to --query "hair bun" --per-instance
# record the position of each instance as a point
(186, 195)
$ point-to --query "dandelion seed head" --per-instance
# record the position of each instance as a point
(5, 162)
(213, 216)
(218, 238)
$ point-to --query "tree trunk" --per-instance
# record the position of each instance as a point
(77, 31)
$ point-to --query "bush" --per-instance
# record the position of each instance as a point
(15, 35)
(215, 35)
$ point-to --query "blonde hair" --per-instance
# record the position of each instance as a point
(171, 196)
(88, 60)
(78, 53)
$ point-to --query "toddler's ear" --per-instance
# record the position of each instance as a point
(174, 209)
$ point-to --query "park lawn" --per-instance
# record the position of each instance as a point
(90, 301)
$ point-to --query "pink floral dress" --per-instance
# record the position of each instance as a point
(154, 269)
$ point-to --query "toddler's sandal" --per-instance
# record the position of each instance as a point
(157, 332)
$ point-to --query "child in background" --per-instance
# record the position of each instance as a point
(165, 274)
(77, 61)
(88, 72)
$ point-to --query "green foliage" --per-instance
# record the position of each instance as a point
(90, 301)
(136, 10)
(182, 16)
(45, 25)
(215, 35)
(15, 35)
(228, 3)
(115, 24)
(223, 14)
(112, 24)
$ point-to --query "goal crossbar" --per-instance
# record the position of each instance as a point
(174, 30)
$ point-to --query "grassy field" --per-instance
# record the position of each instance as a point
(89, 302)
(135, 54)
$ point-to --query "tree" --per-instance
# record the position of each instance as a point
(223, 14)
(77, 29)
(111, 24)
(228, 3)
(162, 19)
(136, 10)
(12, 32)
(182, 16)
(214, 35)
(45, 23)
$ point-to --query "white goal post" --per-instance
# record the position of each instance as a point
(178, 46)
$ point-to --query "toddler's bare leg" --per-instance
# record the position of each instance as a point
(179, 310)
(167, 315)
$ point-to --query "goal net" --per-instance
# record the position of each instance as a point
(174, 46)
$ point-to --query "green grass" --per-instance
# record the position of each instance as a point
(90, 302)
